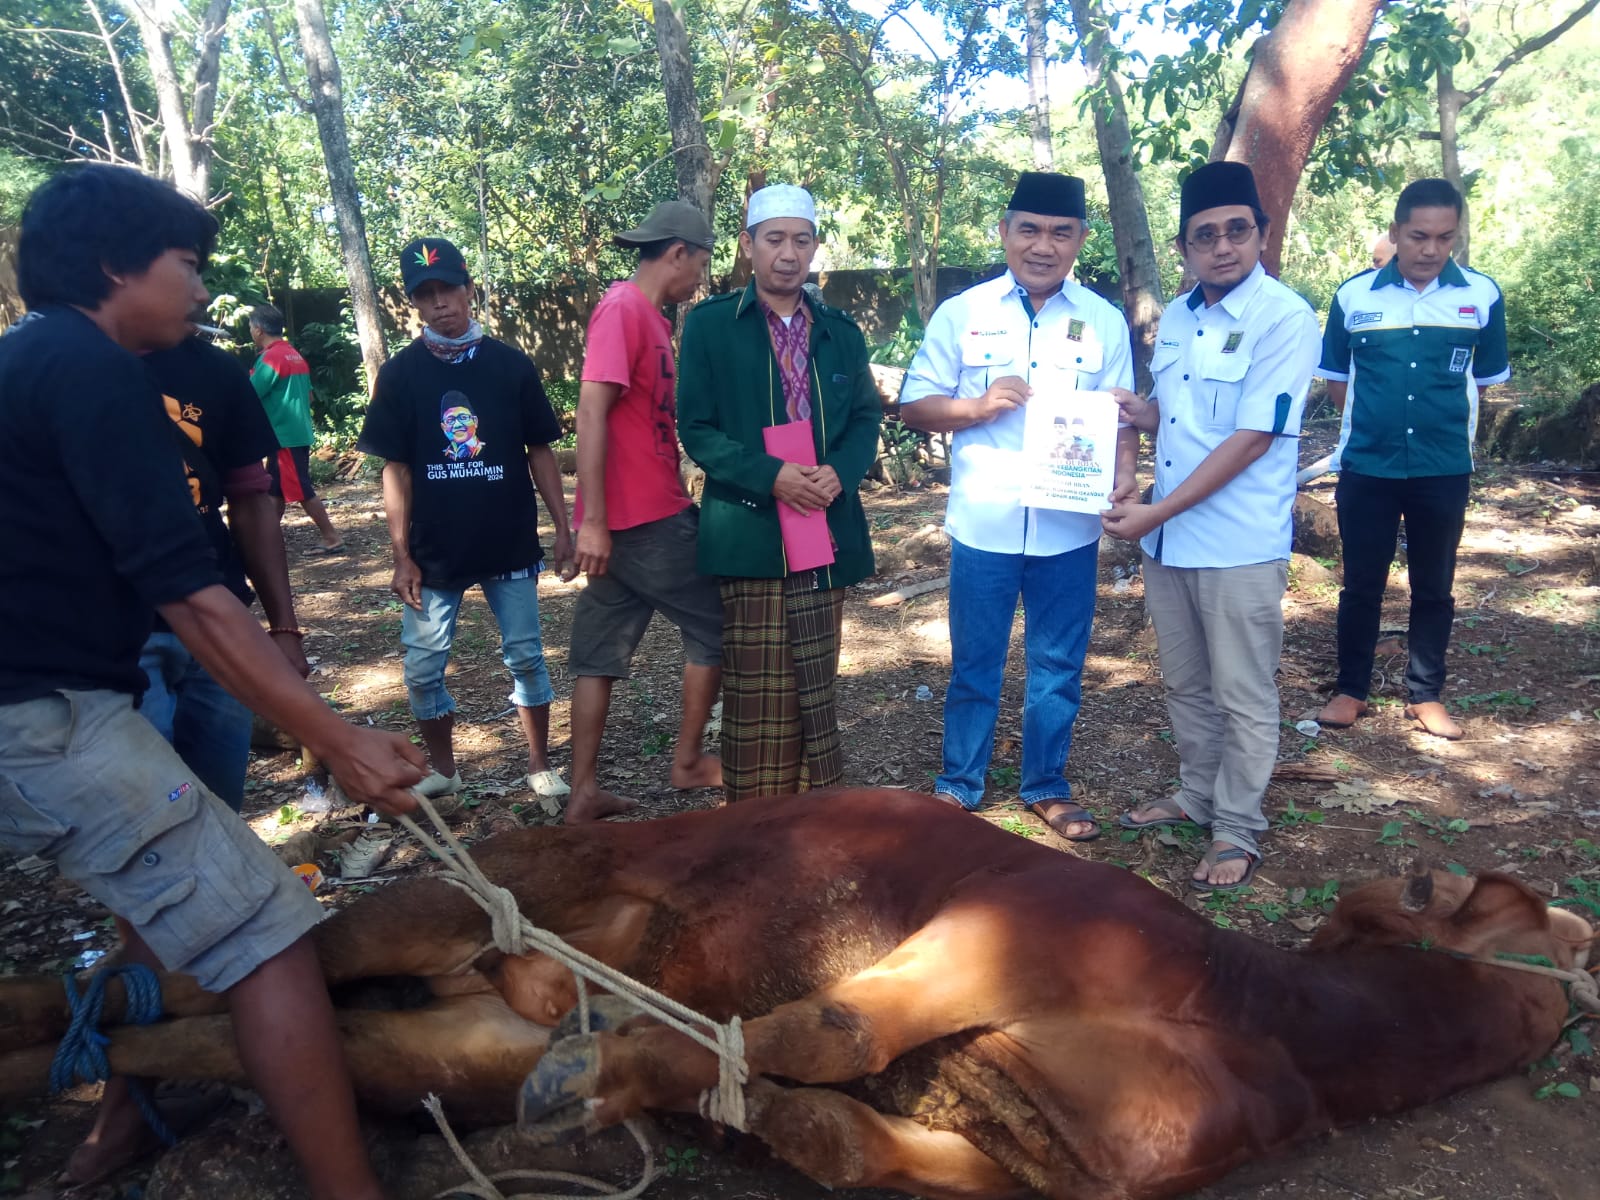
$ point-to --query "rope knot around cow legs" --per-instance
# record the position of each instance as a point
(514, 934)
(81, 1056)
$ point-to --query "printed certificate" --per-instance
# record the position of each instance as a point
(1069, 451)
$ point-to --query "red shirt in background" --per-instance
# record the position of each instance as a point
(630, 344)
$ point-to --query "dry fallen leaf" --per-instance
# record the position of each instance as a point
(1360, 796)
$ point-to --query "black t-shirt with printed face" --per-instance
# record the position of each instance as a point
(464, 430)
(219, 426)
(96, 524)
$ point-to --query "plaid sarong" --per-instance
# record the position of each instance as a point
(780, 653)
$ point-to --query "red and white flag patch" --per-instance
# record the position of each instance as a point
(1467, 310)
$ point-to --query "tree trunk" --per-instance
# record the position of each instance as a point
(1044, 156)
(690, 153)
(1137, 272)
(1450, 100)
(185, 123)
(207, 73)
(1296, 73)
(327, 105)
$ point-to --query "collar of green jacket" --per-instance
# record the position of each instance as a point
(1389, 273)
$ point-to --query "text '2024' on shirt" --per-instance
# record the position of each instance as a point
(97, 525)
(464, 429)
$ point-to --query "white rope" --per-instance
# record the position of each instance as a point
(1583, 990)
(485, 1186)
(515, 935)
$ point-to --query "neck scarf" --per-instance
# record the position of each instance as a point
(456, 349)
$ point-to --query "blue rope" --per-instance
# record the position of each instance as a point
(81, 1057)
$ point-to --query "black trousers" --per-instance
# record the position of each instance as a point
(1370, 508)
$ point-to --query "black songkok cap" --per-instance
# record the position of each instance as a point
(1049, 195)
(1215, 185)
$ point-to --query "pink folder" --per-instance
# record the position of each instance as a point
(806, 543)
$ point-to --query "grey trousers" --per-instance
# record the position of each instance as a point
(1219, 631)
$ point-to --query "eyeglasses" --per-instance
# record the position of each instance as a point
(461, 419)
(1237, 232)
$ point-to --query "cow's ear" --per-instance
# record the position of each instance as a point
(1500, 907)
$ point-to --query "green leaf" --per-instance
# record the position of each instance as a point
(1456, 869)
(624, 45)
(1580, 1042)
(729, 136)
(1570, 1090)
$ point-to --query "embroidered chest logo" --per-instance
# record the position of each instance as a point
(1468, 312)
(1075, 329)
(1234, 341)
(1366, 318)
(1459, 357)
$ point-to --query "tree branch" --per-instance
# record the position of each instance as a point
(136, 129)
(303, 103)
(1522, 50)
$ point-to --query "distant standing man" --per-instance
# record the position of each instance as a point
(1413, 343)
(764, 356)
(1230, 372)
(637, 526)
(224, 435)
(986, 352)
(464, 426)
(283, 381)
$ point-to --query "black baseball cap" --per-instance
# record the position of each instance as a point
(432, 258)
(667, 220)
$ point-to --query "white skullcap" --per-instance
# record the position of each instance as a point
(780, 200)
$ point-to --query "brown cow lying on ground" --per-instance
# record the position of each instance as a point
(991, 1017)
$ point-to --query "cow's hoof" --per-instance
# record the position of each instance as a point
(606, 1013)
(556, 1101)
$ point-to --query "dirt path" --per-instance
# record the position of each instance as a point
(1518, 794)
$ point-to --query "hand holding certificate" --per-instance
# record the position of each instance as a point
(806, 542)
(1069, 451)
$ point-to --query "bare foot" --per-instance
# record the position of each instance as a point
(704, 772)
(593, 804)
(1435, 718)
(1341, 712)
(119, 1139)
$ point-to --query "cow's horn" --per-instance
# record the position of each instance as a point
(1419, 888)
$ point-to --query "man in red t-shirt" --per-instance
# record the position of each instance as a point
(637, 527)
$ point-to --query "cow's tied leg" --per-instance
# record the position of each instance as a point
(842, 1143)
(947, 977)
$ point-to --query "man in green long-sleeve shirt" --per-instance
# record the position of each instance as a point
(767, 356)
(283, 381)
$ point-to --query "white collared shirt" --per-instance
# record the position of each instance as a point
(1244, 362)
(1075, 341)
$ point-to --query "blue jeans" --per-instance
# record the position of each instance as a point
(429, 634)
(1058, 608)
(208, 728)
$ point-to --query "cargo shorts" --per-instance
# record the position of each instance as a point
(89, 783)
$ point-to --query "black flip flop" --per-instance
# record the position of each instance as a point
(1227, 854)
(1075, 814)
(1168, 805)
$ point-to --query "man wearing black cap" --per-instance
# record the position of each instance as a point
(986, 351)
(462, 421)
(637, 526)
(1231, 368)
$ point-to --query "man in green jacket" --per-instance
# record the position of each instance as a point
(765, 356)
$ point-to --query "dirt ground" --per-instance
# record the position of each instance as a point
(1517, 794)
